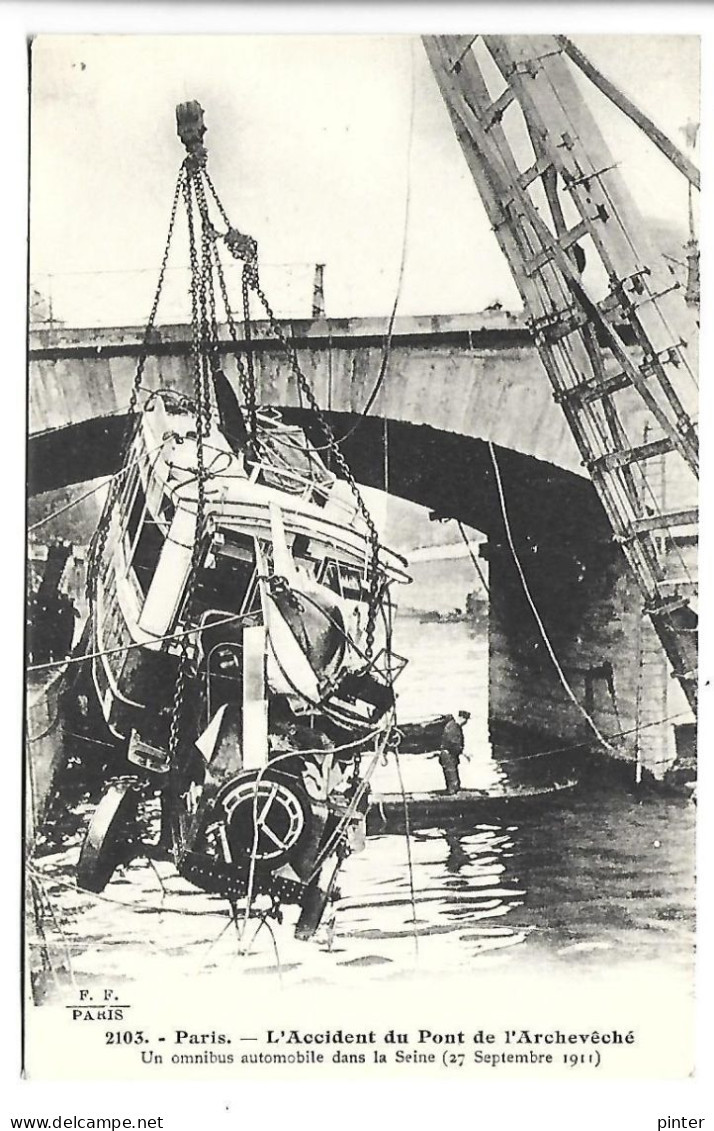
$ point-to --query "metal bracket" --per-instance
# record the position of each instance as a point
(585, 178)
(558, 324)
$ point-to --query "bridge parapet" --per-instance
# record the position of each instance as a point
(474, 375)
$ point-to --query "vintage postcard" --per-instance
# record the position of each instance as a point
(361, 633)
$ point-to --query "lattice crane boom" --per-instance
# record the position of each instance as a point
(611, 325)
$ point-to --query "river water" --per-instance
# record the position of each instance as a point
(578, 882)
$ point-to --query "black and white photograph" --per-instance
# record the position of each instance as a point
(361, 671)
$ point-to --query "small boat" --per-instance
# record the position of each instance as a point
(391, 811)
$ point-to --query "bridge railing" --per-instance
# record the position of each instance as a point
(124, 298)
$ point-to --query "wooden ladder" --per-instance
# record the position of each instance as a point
(610, 323)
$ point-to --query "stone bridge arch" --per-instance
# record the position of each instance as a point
(452, 386)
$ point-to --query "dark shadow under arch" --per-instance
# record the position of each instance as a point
(450, 474)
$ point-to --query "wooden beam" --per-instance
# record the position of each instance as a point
(653, 132)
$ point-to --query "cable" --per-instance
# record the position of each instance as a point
(46, 963)
(581, 745)
(269, 765)
(332, 841)
(541, 627)
(103, 482)
(73, 502)
(136, 644)
(336, 835)
(160, 910)
(474, 559)
(48, 729)
(264, 922)
(387, 348)
(408, 842)
(39, 881)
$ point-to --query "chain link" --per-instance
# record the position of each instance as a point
(246, 388)
(248, 273)
(209, 325)
(217, 199)
(246, 376)
(99, 539)
(306, 390)
(199, 320)
(205, 364)
(250, 280)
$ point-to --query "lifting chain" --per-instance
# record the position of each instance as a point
(249, 271)
(250, 279)
(245, 248)
(99, 540)
(306, 390)
(247, 388)
(199, 326)
(208, 295)
(199, 314)
(246, 373)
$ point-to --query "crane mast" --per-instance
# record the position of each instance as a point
(611, 324)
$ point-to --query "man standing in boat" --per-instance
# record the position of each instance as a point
(452, 747)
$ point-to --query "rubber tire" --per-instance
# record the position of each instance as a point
(105, 842)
